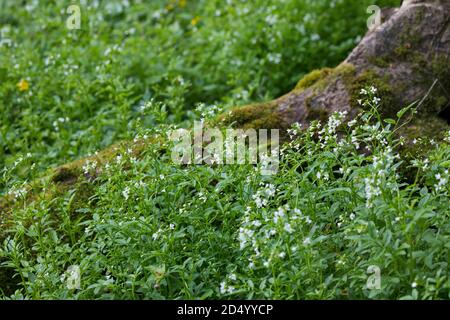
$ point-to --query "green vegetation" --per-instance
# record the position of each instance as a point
(139, 226)
(65, 94)
(149, 229)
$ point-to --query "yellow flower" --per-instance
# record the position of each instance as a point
(182, 3)
(195, 21)
(23, 85)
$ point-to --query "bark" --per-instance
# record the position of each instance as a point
(407, 57)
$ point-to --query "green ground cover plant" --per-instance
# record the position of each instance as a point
(343, 205)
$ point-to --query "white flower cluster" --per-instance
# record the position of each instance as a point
(208, 111)
(58, 122)
(441, 181)
(126, 193)
(89, 166)
(370, 97)
(20, 159)
(372, 190)
(322, 175)
(257, 230)
(424, 164)
(262, 196)
(146, 106)
(202, 197)
(382, 167)
(113, 49)
(226, 287)
(157, 234)
(447, 137)
(295, 129)
(17, 192)
(271, 19)
(374, 133)
(334, 121)
(274, 58)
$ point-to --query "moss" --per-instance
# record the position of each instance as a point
(344, 72)
(66, 175)
(312, 78)
(425, 72)
(406, 52)
(388, 107)
(256, 116)
(403, 51)
(317, 114)
(271, 121)
(440, 66)
(318, 79)
(250, 115)
(381, 62)
(416, 140)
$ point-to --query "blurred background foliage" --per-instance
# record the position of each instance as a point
(67, 93)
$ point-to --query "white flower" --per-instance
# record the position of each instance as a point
(89, 166)
(282, 255)
(271, 19)
(447, 138)
(340, 262)
(442, 181)
(307, 241)
(257, 223)
(155, 235)
(223, 287)
(414, 285)
(376, 100)
(270, 190)
(352, 123)
(278, 214)
(274, 58)
(258, 201)
(126, 193)
(288, 228)
(315, 37)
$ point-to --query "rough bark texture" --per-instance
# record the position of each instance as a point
(403, 57)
